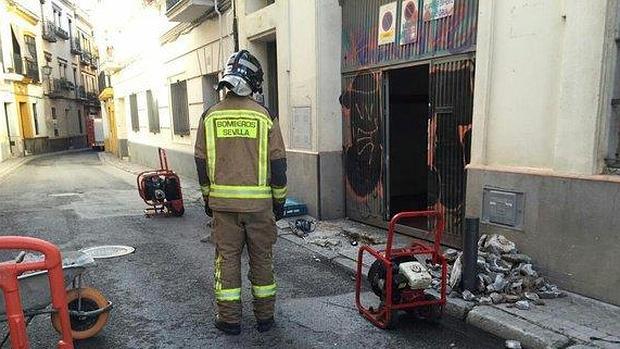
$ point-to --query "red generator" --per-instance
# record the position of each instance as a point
(400, 276)
(161, 189)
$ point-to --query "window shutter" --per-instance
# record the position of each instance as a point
(180, 108)
(133, 106)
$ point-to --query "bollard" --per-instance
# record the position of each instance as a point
(470, 253)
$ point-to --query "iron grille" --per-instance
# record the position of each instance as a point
(180, 112)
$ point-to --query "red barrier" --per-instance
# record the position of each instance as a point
(9, 271)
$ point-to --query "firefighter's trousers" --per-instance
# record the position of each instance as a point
(231, 232)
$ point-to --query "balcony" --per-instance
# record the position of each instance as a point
(61, 33)
(80, 92)
(60, 88)
(187, 10)
(85, 57)
(76, 47)
(91, 96)
(49, 32)
(32, 70)
(94, 62)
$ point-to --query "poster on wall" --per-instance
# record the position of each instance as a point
(387, 23)
(435, 9)
(409, 22)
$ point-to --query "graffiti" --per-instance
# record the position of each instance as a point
(363, 141)
(449, 35)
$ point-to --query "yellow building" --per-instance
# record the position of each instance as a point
(21, 93)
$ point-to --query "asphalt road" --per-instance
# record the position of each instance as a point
(162, 293)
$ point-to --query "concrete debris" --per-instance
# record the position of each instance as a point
(451, 255)
(522, 305)
(498, 244)
(512, 344)
(485, 301)
(325, 242)
(361, 236)
(456, 272)
(468, 296)
(496, 298)
(504, 275)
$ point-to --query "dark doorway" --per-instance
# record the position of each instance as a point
(407, 135)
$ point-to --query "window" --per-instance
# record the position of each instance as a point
(54, 117)
(80, 121)
(31, 46)
(180, 112)
(210, 95)
(613, 154)
(255, 5)
(153, 110)
(133, 109)
(35, 119)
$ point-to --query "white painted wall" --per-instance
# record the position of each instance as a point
(541, 85)
(308, 42)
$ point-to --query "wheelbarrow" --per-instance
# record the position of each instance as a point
(399, 279)
(161, 189)
(88, 308)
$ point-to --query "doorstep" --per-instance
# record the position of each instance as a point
(570, 322)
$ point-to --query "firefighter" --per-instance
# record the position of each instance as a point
(241, 163)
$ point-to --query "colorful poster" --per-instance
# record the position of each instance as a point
(387, 23)
(434, 9)
(409, 22)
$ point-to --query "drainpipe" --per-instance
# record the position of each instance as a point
(235, 25)
(219, 50)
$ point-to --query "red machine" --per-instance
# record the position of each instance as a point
(161, 189)
(392, 286)
(9, 271)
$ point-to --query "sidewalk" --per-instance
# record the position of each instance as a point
(571, 322)
(574, 322)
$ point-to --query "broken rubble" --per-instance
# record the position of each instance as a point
(522, 305)
(504, 274)
(512, 344)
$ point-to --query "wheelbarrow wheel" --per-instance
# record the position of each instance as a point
(83, 327)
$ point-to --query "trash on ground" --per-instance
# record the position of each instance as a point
(325, 242)
(512, 344)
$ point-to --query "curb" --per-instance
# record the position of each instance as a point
(486, 318)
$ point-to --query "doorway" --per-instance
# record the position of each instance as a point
(407, 114)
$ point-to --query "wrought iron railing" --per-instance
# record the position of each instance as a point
(32, 70)
(76, 47)
(61, 33)
(104, 81)
(49, 31)
(94, 62)
(171, 3)
(80, 92)
(85, 57)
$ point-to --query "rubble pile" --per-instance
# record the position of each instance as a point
(504, 275)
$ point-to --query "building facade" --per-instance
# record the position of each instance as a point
(159, 82)
(22, 119)
(44, 101)
(544, 165)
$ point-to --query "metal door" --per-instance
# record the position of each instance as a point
(451, 94)
(364, 157)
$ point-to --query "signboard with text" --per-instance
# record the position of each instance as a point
(435, 9)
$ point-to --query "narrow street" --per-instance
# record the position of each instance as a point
(162, 293)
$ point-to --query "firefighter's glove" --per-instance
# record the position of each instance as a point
(278, 209)
(208, 210)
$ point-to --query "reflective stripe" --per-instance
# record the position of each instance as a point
(264, 291)
(240, 113)
(204, 189)
(240, 192)
(262, 190)
(279, 193)
(218, 272)
(262, 154)
(210, 140)
(231, 294)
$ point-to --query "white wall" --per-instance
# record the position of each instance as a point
(308, 43)
(540, 85)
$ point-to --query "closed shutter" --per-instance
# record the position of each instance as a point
(180, 112)
(133, 106)
(153, 110)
